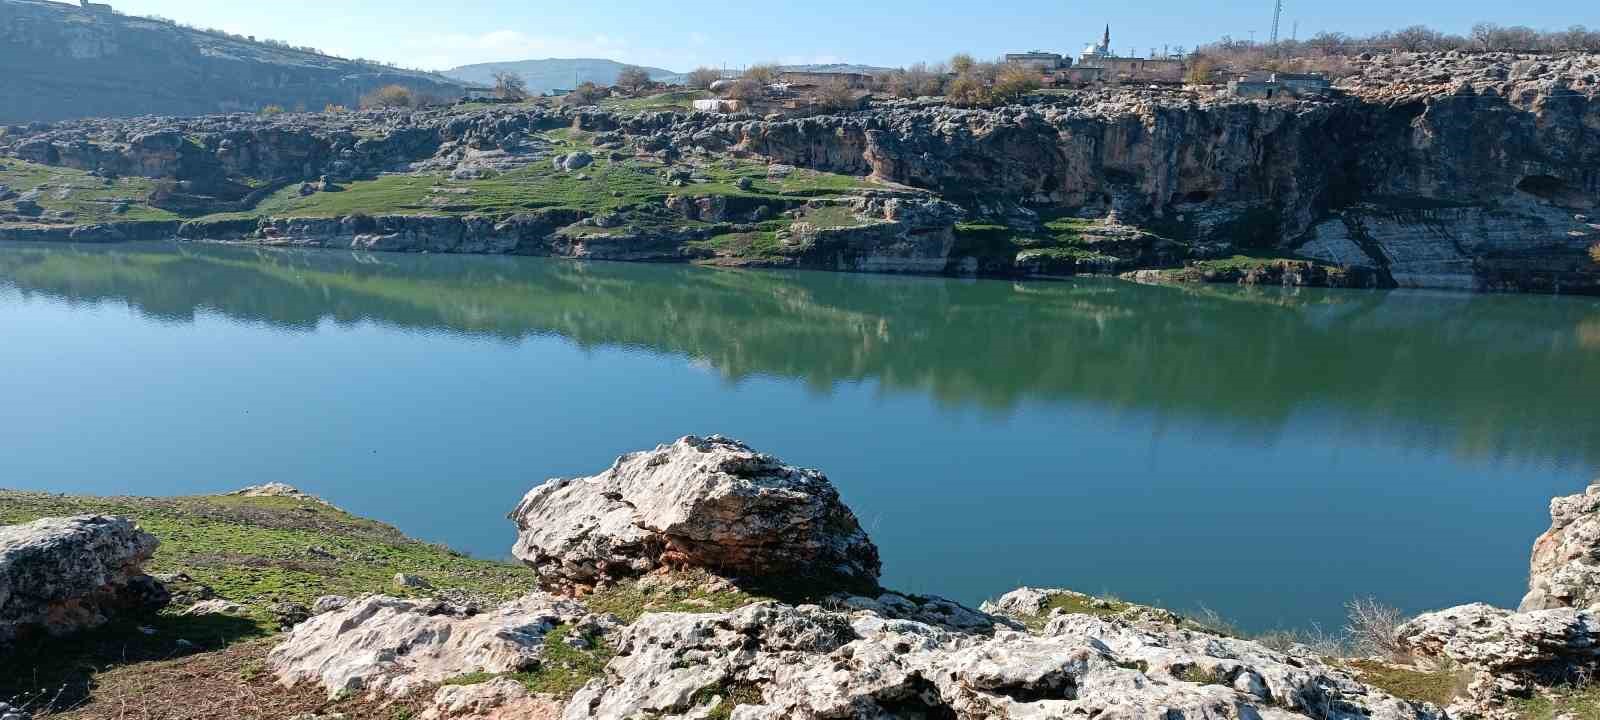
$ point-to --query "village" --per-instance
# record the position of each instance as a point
(770, 91)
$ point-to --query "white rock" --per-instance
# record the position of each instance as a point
(385, 646)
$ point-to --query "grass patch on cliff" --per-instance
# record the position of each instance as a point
(563, 668)
(728, 696)
(1438, 687)
(675, 101)
(90, 199)
(685, 592)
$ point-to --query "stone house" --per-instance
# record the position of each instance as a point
(1039, 60)
(1269, 86)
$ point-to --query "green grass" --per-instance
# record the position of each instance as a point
(1582, 703)
(1437, 687)
(678, 100)
(563, 669)
(629, 601)
(1201, 676)
(259, 551)
(92, 199)
(729, 694)
(832, 216)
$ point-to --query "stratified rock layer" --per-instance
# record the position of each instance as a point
(709, 503)
(60, 575)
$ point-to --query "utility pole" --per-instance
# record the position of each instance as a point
(1277, 17)
(1252, 38)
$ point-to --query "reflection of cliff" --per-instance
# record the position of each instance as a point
(1488, 375)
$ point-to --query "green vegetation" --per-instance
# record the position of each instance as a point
(91, 199)
(728, 695)
(563, 668)
(686, 594)
(259, 551)
(1582, 703)
(1201, 676)
(675, 101)
(1438, 687)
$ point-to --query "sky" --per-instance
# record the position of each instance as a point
(683, 34)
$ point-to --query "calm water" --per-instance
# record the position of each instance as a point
(1266, 453)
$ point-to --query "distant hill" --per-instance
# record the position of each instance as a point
(554, 73)
(840, 68)
(60, 61)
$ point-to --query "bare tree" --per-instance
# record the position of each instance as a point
(764, 73)
(1417, 38)
(746, 89)
(1012, 83)
(585, 94)
(1372, 627)
(510, 86)
(633, 79)
(702, 77)
(836, 96)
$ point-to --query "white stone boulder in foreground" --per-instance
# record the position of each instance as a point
(709, 503)
(61, 575)
(1565, 568)
(384, 646)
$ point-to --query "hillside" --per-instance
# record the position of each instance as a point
(62, 61)
(553, 73)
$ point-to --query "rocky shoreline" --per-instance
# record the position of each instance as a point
(703, 579)
(1444, 170)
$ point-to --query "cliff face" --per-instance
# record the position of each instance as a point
(62, 61)
(1455, 171)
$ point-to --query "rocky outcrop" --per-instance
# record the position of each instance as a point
(388, 647)
(1565, 568)
(61, 575)
(805, 663)
(711, 503)
(498, 699)
(63, 61)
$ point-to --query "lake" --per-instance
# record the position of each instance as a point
(1266, 453)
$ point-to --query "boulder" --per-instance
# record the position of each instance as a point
(1502, 641)
(1565, 568)
(711, 503)
(61, 575)
(388, 647)
(29, 208)
(10, 712)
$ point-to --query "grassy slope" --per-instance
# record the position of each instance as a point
(93, 199)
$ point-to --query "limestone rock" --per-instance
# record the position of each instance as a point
(9, 712)
(710, 503)
(276, 490)
(66, 574)
(806, 663)
(1503, 641)
(216, 607)
(498, 699)
(1565, 569)
(384, 646)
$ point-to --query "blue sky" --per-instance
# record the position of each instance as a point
(682, 34)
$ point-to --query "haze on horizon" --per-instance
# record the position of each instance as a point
(892, 33)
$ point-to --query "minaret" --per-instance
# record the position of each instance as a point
(1106, 42)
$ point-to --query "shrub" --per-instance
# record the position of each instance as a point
(390, 96)
(633, 79)
(835, 96)
(271, 110)
(1202, 70)
(746, 89)
(962, 63)
(1371, 628)
(333, 109)
(585, 94)
(510, 86)
(702, 77)
(1012, 84)
(1594, 253)
(764, 73)
(966, 90)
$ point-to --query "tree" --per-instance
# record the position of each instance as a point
(390, 96)
(764, 73)
(961, 63)
(633, 79)
(271, 110)
(702, 77)
(966, 90)
(585, 94)
(1594, 253)
(746, 89)
(510, 86)
(1417, 38)
(836, 96)
(1013, 83)
(1202, 70)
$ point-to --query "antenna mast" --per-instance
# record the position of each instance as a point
(1277, 18)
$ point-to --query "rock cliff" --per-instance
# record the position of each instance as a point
(63, 61)
(1458, 170)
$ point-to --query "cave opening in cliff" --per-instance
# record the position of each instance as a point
(1547, 187)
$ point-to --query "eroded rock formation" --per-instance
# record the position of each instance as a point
(61, 575)
(710, 503)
